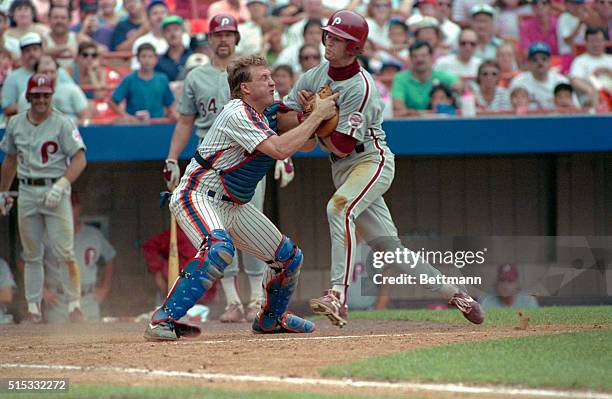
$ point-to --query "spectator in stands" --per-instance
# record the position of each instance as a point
(68, 97)
(564, 98)
(251, 36)
(90, 27)
(23, 20)
(507, 19)
(539, 80)
(284, 78)
(411, 88)
(312, 36)
(310, 57)
(483, 16)
(157, 10)
(428, 30)
(490, 96)
(507, 291)
(147, 93)
(60, 42)
(600, 15)
(570, 31)
(441, 100)
(235, 8)
(173, 61)
(398, 51)
(107, 15)
(272, 40)
(519, 98)
(369, 58)
(462, 64)
(593, 65)
(16, 81)
(6, 41)
(7, 288)
(462, 10)
(379, 19)
(506, 59)
(87, 72)
(131, 27)
(427, 8)
(449, 29)
(384, 83)
(6, 64)
(541, 27)
(295, 33)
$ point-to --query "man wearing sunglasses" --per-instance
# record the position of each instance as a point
(539, 79)
(464, 63)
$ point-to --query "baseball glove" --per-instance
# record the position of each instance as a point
(328, 126)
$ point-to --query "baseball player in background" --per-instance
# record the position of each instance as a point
(362, 166)
(44, 148)
(205, 93)
(212, 204)
(91, 250)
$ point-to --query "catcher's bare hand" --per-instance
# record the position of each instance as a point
(325, 107)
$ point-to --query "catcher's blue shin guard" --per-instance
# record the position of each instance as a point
(273, 317)
(198, 276)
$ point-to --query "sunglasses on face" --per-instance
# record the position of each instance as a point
(542, 2)
(89, 55)
(539, 58)
(603, 2)
(467, 43)
(40, 95)
(448, 5)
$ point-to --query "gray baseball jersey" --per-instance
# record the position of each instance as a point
(361, 178)
(205, 92)
(43, 150)
(90, 246)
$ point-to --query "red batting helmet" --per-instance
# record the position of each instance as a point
(224, 23)
(39, 83)
(350, 26)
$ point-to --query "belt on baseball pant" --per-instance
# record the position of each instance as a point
(38, 182)
(85, 289)
(359, 148)
(221, 196)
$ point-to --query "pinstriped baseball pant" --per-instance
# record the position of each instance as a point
(251, 231)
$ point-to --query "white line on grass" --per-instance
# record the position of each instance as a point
(410, 386)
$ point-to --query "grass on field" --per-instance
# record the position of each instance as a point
(497, 317)
(569, 360)
(190, 392)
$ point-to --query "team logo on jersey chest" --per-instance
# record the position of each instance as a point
(355, 120)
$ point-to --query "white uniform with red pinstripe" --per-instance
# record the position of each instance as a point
(203, 201)
(362, 177)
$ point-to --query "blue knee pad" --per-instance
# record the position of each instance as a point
(198, 276)
(280, 289)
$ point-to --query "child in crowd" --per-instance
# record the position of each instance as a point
(519, 98)
(441, 100)
(147, 93)
(564, 98)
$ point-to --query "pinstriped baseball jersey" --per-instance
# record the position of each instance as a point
(205, 93)
(230, 147)
(43, 150)
(361, 107)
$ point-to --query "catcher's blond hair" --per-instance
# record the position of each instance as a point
(239, 71)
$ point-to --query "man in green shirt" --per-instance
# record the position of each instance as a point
(411, 88)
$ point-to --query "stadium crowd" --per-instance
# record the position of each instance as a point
(461, 57)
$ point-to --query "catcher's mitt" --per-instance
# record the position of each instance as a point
(328, 126)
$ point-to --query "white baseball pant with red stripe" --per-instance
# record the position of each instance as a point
(358, 205)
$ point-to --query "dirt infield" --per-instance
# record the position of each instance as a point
(102, 350)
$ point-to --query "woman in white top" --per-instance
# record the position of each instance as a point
(379, 19)
(490, 96)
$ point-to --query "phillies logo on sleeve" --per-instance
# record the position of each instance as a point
(337, 21)
(225, 21)
(48, 148)
(355, 120)
(90, 256)
(77, 135)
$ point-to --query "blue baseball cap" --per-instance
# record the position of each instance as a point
(538, 47)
